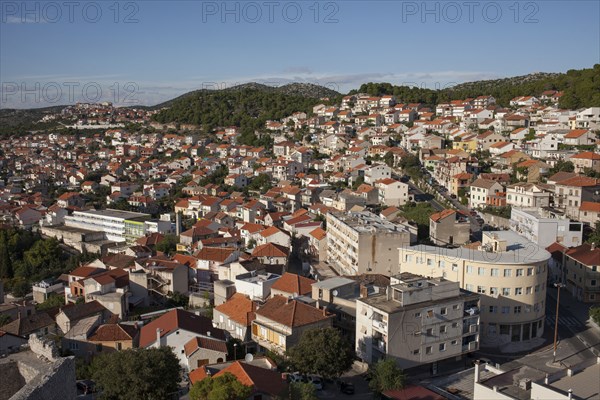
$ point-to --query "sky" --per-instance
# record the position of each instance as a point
(146, 52)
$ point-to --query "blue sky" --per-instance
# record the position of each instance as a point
(154, 50)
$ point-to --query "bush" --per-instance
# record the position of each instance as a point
(595, 314)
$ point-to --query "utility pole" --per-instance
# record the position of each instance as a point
(557, 285)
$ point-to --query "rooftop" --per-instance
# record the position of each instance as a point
(117, 214)
(367, 222)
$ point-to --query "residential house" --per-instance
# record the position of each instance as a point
(480, 190)
(292, 285)
(449, 227)
(582, 265)
(571, 193)
(281, 321)
(528, 195)
(236, 316)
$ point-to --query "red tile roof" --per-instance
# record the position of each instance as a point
(291, 313)
(292, 283)
(239, 308)
(204, 343)
(585, 255)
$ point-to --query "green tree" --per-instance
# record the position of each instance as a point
(51, 302)
(20, 287)
(168, 244)
(302, 391)
(4, 319)
(385, 375)
(595, 235)
(6, 268)
(323, 352)
(388, 158)
(151, 374)
(222, 387)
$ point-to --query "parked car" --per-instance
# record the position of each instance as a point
(86, 386)
(297, 377)
(347, 387)
(317, 381)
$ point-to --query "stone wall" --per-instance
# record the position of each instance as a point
(11, 380)
(57, 385)
(43, 348)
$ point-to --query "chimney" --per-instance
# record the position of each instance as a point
(388, 292)
(287, 300)
(593, 246)
(324, 311)
(570, 394)
(158, 338)
(477, 371)
(208, 333)
(318, 305)
(364, 292)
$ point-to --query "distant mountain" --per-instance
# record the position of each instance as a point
(17, 120)
(581, 89)
(308, 90)
(248, 106)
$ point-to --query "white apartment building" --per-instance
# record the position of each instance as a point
(119, 226)
(480, 190)
(509, 273)
(362, 242)
(527, 195)
(544, 227)
(418, 321)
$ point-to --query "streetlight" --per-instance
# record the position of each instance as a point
(235, 345)
(556, 285)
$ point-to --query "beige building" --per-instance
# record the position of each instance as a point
(362, 242)
(481, 189)
(572, 192)
(418, 321)
(586, 160)
(582, 265)
(528, 195)
(508, 272)
(449, 227)
(589, 212)
(281, 321)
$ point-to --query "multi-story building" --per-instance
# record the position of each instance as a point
(508, 272)
(480, 190)
(118, 226)
(544, 227)
(582, 265)
(362, 242)
(449, 227)
(281, 321)
(528, 195)
(418, 321)
(572, 192)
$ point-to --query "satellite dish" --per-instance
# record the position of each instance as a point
(335, 293)
(249, 357)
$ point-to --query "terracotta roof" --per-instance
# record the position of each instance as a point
(483, 183)
(219, 254)
(270, 250)
(589, 206)
(292, 283)
(239, 308)
(575, 133)
(204, 343)
(75, 312)
(561, 176)
(291, 313)
(84, 271)
(179, 319)
(269, 231)
(318, 233)
(587, 155)
(437, 217)
(585, 255)
(114, 333)
(25, 325)
(579, 181)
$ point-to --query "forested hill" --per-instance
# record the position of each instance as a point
(581, 89)
(248, 106)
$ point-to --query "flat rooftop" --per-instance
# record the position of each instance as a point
(519, 250)
(585, 384)
(366, 221)
(332, 283)
(111, 213)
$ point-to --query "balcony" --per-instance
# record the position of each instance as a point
(471, 346)
(379, 324)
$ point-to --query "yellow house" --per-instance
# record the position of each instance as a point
(466, 142)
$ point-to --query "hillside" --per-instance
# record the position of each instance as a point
(581, 89)
(248, 106)
(14, 121)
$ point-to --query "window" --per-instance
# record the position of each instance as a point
(537, 288)
(593, 282)
(119, 346)
(505, 291)
(505, 309)
(520, 272)
(99, 347)
(418, 315)
(517, 309)
(455, 324)
(454, 267)
(416, 352)
(481, 271)
(493, 290)
(518, 291)
(456, 306)
(470, 287)
(469, 269)
(428, 350)
(495, 271)
(429, 262)
(493, 309)
(454, 342)
(527, 309)
(429, 332)
(529, 271)
(443, 329)
(481, 289)
(507, 273)
(443, 311)
(442, 346)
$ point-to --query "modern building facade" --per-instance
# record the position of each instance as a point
(418, 321)
(362, 242)
(544, 227)
(509, 273)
